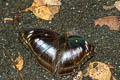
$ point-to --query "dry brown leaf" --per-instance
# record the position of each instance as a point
(79, 76)
(19, 60)
(44, 9)
(99, 71)
(45, 12)
(117, 5)
(13, 62)
(42, 12)
(111, 21)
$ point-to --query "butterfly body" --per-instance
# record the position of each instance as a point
(57, 54)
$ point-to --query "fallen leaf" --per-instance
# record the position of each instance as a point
(19, 62)
(42, 12)
(13, 62)
(44, 9)
(79, 76)
(117, 5)
(111, 21)
(99, 71)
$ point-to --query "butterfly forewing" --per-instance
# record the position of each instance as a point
(43, 44)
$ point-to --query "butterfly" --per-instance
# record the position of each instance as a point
(57, 54)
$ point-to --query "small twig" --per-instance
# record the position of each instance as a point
(21, 11)
(11, 59)
(108, 7)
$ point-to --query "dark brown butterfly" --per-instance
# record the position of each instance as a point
(57, 54)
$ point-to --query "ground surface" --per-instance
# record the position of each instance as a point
(75, 16)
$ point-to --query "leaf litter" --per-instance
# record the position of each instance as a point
(97, 71)
(115, 5)
(43, 9)
(111, 21)
(19, 61)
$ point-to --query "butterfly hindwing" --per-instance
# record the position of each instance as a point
(77, 50)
